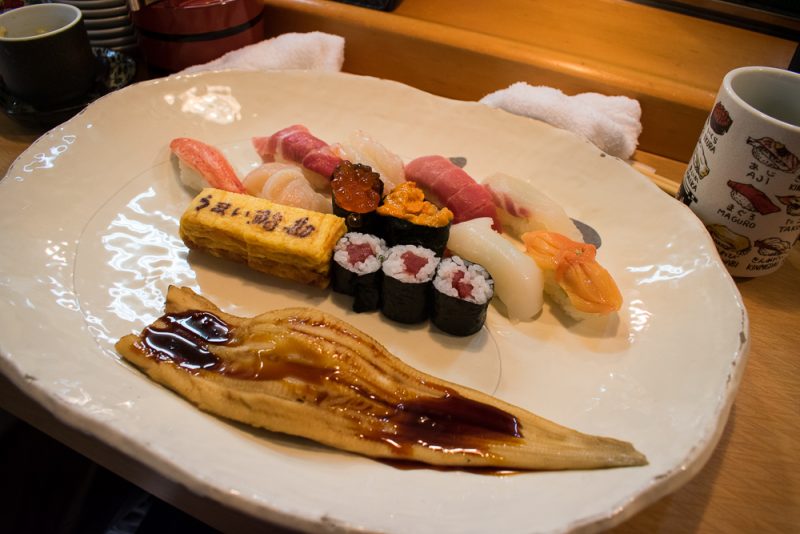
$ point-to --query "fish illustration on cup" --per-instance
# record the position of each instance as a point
(792, 203)
(700, 162)
(742, 179)
(728, 241)
(720, 119)
(751, 198)
(772, 246)
(773, 154)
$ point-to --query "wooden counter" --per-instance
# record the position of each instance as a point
(673, 64)
(464, 49)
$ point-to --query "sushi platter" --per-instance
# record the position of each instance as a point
(96, 261)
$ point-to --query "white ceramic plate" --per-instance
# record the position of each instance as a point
(89, 218)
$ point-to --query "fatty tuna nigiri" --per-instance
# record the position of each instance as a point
(201, 165)
(453, 188)
(573, 277)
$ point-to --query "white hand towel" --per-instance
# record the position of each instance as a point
(613, 123)
(302, 51)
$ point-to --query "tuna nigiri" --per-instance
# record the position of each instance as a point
(573, 277)
(518, 280)
(453, 188)
(523, 208)
(296, 144)
(201, 165)
(285, 184)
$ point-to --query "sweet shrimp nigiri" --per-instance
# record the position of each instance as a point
(572, 275)
(201, 165)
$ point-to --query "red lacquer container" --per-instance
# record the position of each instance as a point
(175, 34)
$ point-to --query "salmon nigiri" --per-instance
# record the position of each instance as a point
(202, 166)
(573, 277)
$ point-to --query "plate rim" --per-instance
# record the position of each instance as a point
(653, 490)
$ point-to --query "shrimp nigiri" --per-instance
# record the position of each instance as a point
(201, 165)
(573, 277)
(285, 184)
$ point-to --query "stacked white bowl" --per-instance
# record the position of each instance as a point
(108, 23)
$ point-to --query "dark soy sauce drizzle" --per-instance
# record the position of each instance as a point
(454, 413)
(451, 422)
(185, 340)
(186, 337)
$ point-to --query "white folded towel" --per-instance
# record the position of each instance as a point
(302, 51)
(610, 122)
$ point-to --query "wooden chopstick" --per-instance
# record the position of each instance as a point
(665, 184)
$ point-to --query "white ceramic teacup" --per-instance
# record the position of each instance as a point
(743, 180)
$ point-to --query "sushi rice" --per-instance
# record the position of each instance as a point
(395, 266)
(474, 275)
(368, 265)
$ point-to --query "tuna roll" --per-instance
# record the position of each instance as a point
(407, 274)
(356, 269)
(356, 193)
(461, 295)
(409, 219)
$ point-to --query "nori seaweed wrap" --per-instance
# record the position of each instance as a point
(356, 194)
(407, 274)
(461, 295)
(356, 269)
(409, 219)
(402, 232)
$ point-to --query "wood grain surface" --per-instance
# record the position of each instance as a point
(464, 49)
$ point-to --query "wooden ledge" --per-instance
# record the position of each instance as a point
(462, 49)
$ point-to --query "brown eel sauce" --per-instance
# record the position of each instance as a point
(185, 339)
(450, 423)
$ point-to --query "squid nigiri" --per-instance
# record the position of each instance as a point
(362, 148)
(518, 281)
(522, 208)
(573, 277)
(285, 184)
(201, 165)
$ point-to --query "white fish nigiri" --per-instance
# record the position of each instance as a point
(523, 208)
(361, 148)
(285, 184)
(518, 281)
